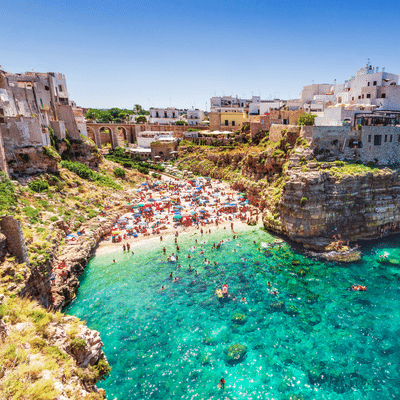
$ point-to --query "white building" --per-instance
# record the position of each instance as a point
(195, 117)
(145, 138)
(164, 116)
(371, 87)
(368, 91)
(234, 104)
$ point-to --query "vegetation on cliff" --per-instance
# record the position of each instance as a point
(49, 206)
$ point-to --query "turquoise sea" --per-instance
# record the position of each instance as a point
(314, 339)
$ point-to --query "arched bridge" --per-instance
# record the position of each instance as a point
(116, 134)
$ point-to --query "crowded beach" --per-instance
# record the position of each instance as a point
(166, 207)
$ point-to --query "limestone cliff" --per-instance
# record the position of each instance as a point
(325, 201)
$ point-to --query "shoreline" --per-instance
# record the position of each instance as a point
(106, 246)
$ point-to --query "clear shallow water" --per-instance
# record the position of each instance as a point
(315, 339)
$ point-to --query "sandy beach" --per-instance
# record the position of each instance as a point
(199, 215)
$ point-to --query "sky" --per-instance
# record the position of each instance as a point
(180, 53)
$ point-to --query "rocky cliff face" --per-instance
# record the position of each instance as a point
(76, 257)
(319, 203)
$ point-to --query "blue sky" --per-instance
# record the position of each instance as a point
(180, 53)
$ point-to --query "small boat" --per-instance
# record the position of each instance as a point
(218, 292)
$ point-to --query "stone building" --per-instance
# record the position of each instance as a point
(377, 144)
(30, 104)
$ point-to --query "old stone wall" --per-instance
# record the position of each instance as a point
(385, 153)
(21, 132)
(11, 228)
(380, 144)
(276, 132)
(66, 114)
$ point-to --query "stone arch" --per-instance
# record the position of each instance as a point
(121, 130)
(105, 135)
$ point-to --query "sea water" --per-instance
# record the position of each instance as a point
(314, 338)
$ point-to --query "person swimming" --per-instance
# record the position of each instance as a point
(243, 300)
(221, 384)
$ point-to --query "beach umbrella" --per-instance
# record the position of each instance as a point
(137, 215)
(233, 204)
(141, 205)
(178, 216)
(130, 227)
(144, 184)
(152, 200)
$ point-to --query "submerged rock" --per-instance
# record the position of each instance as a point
(239, 318)
(235, 353)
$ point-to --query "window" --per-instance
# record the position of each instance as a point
(362, 96)
(398, 138)
(165, 115)
(377, 140)
(46, 88)
(233, 123)
(391, 138)
(368, 83)
(173, 115)
(41, 103)
(339, 100)
(352, 99)
(385, 138)
(226, 122)
(60, 88)
(359, 97)
(368, 95)
(383, 96)
(374, 83)
(369, 138)
(157, 114)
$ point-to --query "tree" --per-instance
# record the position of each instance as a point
(180, 122)
(307, 119)
(138, 107)
(141, 120)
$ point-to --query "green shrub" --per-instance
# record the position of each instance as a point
(7, 193)
(102, 369)
(32, 214)
(49, 151)
(78, 344)
(339, 163)
(38, 186)
(119, 172)
(303, 201)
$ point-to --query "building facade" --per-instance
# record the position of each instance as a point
(195, 117)
(164, 116)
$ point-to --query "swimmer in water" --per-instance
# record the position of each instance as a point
(221, 384)
(170, 275)
(176, 279)
(234, 298)
(162, 287)
(243, 299)
(113, 261)
(179, 265)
